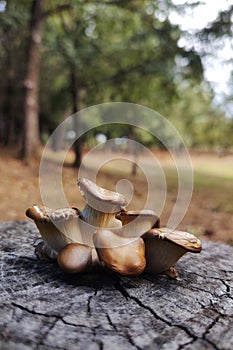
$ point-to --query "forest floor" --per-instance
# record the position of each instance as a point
(209, 215)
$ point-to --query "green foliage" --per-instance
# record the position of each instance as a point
(119, 51)
(221, 27)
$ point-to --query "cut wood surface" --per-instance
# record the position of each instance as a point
(44, 308)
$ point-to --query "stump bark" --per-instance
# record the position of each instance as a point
(43, 308)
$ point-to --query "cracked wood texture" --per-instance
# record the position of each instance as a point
(43, 308)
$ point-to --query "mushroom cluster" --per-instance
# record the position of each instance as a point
(105, 233)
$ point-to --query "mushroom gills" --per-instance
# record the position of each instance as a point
(99, 219)
(161, 255)
(122, 255)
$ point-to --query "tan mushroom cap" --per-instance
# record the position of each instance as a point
(43, 214)
(165, 247)
(122, 255)
(101, 199)
(38, 213)
(57, 227)
(135, 223)
(75, 257)
(183, 239)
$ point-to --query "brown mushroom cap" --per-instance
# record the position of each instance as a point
(101, 199)
(57, 227)
(75, 258)
(182, 239)
(135, 223)
(38, 213)
(122, 255)
(43, 214)
(165, 247)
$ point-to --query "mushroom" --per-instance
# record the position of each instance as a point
(120, 254)
(101, 205)
(164, 247)
(100, 210)
(126, 242)
(57, 228)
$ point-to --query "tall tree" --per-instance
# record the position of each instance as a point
(12, 39)
(31, 139)
(75, 92)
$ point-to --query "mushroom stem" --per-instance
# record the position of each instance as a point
(100, 219)
(54, 237)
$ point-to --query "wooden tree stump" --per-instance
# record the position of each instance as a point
(43, 308)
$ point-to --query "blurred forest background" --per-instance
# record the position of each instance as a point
(58, 57)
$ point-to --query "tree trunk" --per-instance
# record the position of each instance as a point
(44, 308)
(31, 140)
(10, 123)
(8, 95)
(133, 149)
(75, 99)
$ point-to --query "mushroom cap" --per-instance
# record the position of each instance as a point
(101, 199)
(57, 227)
(38, 213)
(135, 223)
(75, 257)
(43, 214)
(122, 255)
(182, 239)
